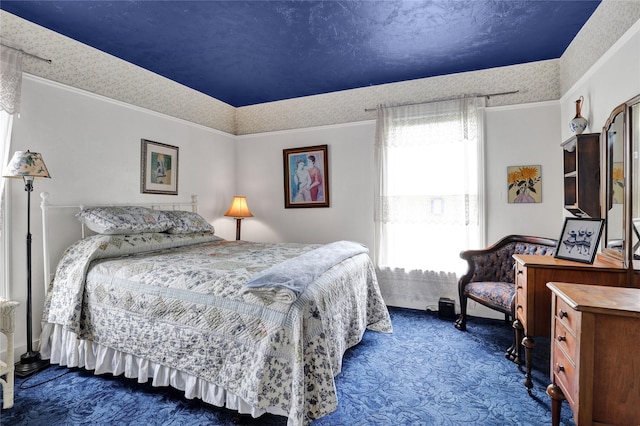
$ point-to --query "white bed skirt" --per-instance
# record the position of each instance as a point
(63, 347)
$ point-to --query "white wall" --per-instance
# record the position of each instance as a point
(260, 178)
(613, 80)
(91, 146)
(524, 135)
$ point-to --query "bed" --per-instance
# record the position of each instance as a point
(254, 327)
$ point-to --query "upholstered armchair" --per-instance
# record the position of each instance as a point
(490, 277)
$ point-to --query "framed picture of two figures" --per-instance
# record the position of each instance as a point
(306, 177)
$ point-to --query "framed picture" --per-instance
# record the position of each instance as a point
(158, 168)
(579, 239)
(306, 177)
(524, 184)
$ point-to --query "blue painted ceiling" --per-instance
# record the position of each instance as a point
(250, 52)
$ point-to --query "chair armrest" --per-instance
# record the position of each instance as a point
(7, 315)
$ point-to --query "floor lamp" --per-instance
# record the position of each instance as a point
(28, 166)
(238, 210)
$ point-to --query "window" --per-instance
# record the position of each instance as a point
(5, 134)
(429, 198)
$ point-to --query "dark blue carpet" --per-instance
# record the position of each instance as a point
(425, 373)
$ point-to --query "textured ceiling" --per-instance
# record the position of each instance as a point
(251, 52)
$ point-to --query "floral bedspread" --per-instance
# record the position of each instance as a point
(176, 299)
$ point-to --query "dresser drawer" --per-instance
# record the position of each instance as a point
(565, 339)
(564, 372)
(521, 305)
(521, 294)
(568, 317)
(521, 275)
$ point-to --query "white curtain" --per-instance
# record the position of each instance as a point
(429, 200)
(10, 89)
(10, 79)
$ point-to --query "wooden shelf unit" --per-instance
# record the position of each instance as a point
(581, 161)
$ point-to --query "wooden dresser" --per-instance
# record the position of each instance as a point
(533, 298)
(595, 361)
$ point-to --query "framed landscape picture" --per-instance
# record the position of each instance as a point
(306, 177)
(158, 168)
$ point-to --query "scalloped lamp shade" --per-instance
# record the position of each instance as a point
(239, 208)
(26, 164)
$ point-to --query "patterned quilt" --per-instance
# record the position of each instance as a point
(177, 299)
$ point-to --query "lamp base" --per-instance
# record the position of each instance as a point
(238, 224)
(30, 363)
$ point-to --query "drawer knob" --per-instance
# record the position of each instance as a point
(562, 338)
(519, 307)
(519, 271)
(519, 287)
(560, 368)
(563, 314)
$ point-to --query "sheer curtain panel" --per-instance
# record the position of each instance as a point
(10, 79)
(429, 203)
(10, 90)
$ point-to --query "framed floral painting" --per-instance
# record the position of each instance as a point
(525, 184)
(158, 168)
(306, 177)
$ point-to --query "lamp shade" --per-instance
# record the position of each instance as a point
(238, 208)
(25, 164)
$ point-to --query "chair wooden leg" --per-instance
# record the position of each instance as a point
(513, 353)
(461, 321)
(529, 343)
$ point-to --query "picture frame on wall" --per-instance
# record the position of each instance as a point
(158, 168)
(306, 177)
(579, 239)
(524, 184)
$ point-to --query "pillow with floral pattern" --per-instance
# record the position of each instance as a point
(184, 222)
(124, 220)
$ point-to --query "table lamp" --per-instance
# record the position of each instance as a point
(238, 210)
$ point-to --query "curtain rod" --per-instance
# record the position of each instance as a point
(27, 53)
(451, 99)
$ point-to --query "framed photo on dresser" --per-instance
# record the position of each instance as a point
(579, 239)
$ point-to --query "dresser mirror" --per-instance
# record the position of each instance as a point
(613, 140)
(633, 127)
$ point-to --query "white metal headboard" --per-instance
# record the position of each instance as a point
(46, 207)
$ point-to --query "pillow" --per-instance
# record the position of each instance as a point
(124, 220)
(185, 222)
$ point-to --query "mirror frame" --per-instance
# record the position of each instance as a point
(606, 184)
(633, 196)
